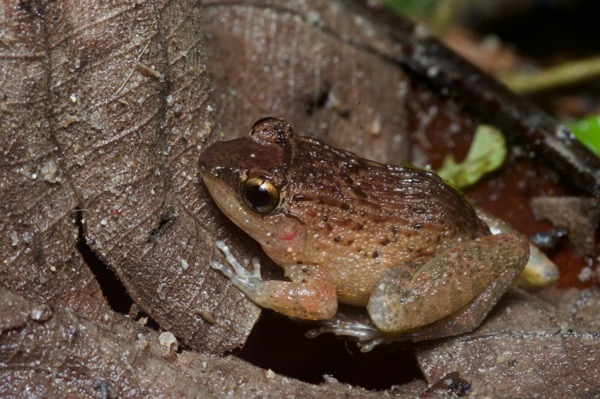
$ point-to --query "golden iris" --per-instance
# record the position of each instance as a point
(260, 195)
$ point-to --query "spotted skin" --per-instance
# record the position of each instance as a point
(395, 239)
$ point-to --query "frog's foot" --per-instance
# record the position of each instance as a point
(367, 336)
(246, 281)
(310, 295)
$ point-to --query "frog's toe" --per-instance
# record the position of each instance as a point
(222, 268)
(238, 269)
(366, 336)
(256, 266)
(355, 330)
(248, 282)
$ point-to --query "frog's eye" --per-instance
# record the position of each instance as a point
(260, 195)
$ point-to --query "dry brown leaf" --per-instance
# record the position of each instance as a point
(105, 111)
(526, 348)
(319, 65)
(55, 353)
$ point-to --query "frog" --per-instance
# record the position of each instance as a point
(396, 240)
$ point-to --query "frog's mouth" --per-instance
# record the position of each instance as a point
(223, 195)
(228, 200)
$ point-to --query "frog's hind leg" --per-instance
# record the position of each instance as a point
(467, 318)
(477, 271)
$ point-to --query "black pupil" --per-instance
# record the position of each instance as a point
(258, 196)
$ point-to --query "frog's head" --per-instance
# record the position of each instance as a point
(246, 177)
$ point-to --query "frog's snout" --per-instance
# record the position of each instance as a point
(211, 158)
(209, 172)
(204, 168)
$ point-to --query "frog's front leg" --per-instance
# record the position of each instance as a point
(310, 295)
(447, 283)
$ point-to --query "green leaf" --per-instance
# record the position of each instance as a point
(587, 130)
(412, 7)
(437, 14)
(487, 153)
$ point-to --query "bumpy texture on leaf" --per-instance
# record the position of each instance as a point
(524, 349)
(70, 355)
(320, 65)
(106, 110)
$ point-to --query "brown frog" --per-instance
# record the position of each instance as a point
(395, 239)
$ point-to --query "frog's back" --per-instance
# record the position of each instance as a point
(363, 214)
(409, 198)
